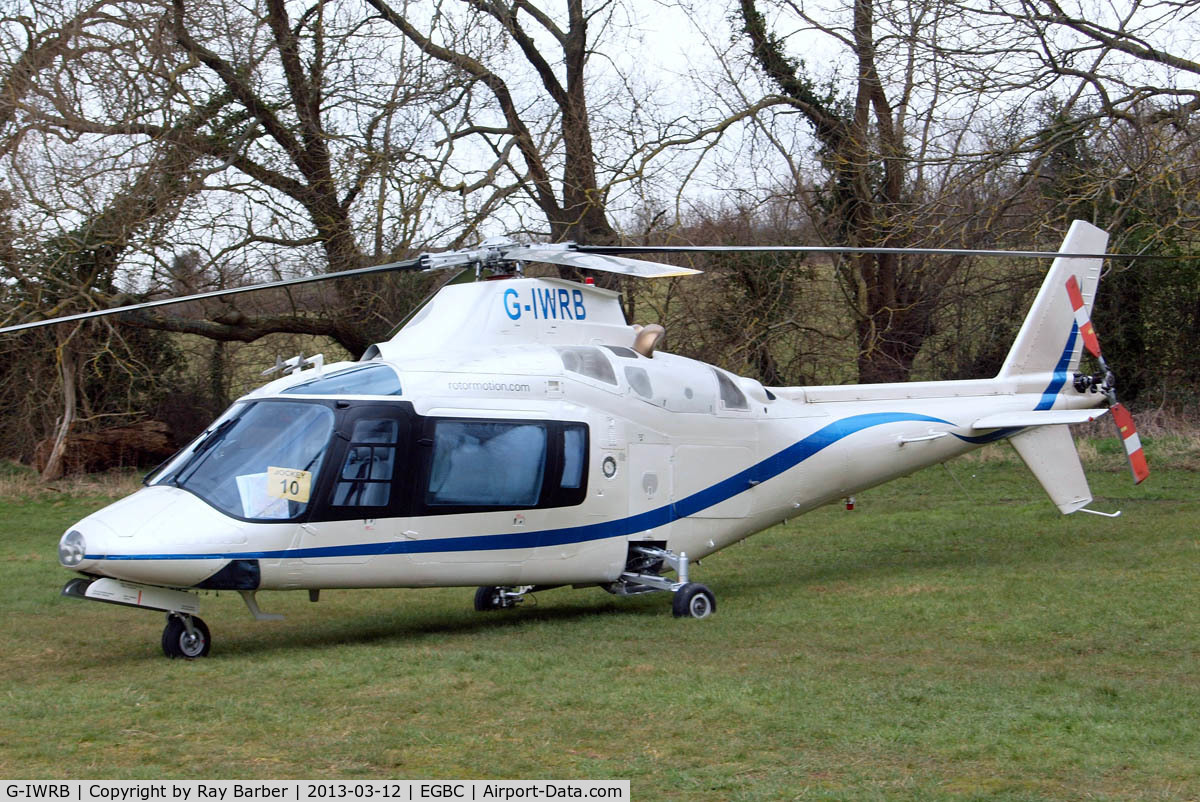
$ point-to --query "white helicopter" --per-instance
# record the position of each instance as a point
(519, 435)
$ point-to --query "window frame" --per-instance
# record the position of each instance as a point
(413, 463)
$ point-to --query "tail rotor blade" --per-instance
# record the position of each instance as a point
(1082, 319)
(1120, 414)
(1131, 441)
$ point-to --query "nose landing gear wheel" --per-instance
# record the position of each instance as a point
(693, 600)
(181, 640)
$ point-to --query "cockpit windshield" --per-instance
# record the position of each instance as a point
(260, 464)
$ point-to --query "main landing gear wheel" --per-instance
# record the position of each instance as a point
(693, 600)
(489, 598)
(181, 640)
(504, 597)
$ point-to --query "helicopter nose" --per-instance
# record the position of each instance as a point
(79, 546)
(160, 536)
(71, 549)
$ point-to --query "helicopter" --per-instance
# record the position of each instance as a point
(519, 435)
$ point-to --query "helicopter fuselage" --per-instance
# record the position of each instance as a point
(516, 471)
(520, 434)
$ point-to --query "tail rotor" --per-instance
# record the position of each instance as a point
(1105, 382)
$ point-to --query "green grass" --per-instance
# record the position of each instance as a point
(952, 638)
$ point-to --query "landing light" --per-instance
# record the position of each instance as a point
(71, 548)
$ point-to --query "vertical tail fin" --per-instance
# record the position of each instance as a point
(1048, 347)
(1045, 355)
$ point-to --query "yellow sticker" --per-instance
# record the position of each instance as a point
(289, 483)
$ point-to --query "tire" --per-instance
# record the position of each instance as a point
(176, 642)
(693, 600)
(487, 598)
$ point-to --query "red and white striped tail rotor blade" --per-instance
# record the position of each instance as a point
(1082, 319)
(1131, 441)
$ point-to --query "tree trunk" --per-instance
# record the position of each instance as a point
(66, 367)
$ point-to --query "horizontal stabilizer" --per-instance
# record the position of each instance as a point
(1046, 417)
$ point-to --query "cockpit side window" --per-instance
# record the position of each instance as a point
(369, 465)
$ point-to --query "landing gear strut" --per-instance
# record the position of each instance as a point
(185, 636)
(643, 575)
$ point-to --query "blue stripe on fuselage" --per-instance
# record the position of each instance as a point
(1060, 371)
(726, 489)
(998, 434)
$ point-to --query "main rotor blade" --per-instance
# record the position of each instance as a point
(407, 264)
(620, 249)
(575, 256)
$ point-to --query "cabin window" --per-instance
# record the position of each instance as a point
(588, 361)
(359, 380)
(366, 476)
(731, 396)
(574, 456)
(487, 464)
(474, 465)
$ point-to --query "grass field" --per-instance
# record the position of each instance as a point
(952, 638)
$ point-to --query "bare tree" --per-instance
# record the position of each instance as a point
(926, 130)
(318, 144)
(73, 267)
(761, 315)
(127, 137)
(1128, 57)
(875, 191)
(572, 201)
